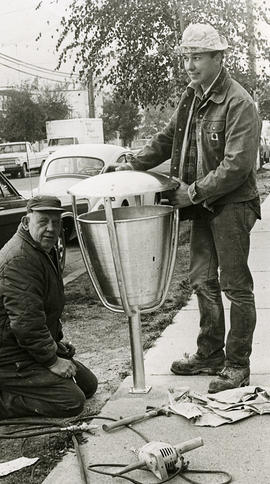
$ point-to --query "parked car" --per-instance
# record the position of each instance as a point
(19, 158)
(264, 151)
(12, 209)
(73, 163)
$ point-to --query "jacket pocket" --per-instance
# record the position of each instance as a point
(213, 141)
(213, 126)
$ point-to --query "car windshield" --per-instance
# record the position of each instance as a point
(82, 165)
(61, 141)
(17, 148)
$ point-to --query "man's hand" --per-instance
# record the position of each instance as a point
(65, 349)
(179, 198)
(117, 167)
(63, 368)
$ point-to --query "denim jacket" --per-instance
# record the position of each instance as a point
(228, 131)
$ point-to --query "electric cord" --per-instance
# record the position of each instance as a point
(128, 478)
(179, 472)
(25, 434)
(52, 427)
(203, 471)
(38, 428)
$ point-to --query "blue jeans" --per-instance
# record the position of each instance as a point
(219, 250)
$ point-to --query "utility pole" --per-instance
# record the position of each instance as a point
(251, 47)
(179, 13)
(91, 97)
(252, 59)
(178, 21)
(179, 27)
(178, 31)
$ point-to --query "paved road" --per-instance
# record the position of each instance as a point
(74, 263)
(26, 185)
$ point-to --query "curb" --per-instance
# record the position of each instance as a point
(74, 275)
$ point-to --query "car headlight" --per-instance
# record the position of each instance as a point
(17, 161)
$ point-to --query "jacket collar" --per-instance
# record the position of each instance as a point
(52, 256)
(219, 89)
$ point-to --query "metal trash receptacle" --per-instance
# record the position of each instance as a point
(129, 252)
(144, 235)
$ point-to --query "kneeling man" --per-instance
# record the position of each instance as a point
(38, 375)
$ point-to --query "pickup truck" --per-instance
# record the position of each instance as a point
(18, 158)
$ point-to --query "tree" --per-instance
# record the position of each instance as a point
(23, 118)
(154, 120)
(27, 111)
(54, 104)
(132, 44)
(264, 104)
(123, 118)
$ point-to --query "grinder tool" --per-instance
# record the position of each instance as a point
(162, 458)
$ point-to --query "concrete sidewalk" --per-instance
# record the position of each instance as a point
(241, 448)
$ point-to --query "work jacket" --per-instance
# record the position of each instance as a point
(31, 302)
(227, 134)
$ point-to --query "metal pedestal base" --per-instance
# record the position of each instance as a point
(135, 333)
(146, 389)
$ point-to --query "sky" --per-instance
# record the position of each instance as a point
(20, 24)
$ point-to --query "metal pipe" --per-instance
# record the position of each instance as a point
(171, 263)
(116, 256)
(88, 264)
(131, 420)
(83, 474)
(135, 334)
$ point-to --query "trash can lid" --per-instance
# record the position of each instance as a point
(123, 183)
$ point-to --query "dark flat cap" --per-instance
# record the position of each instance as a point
(44, 203)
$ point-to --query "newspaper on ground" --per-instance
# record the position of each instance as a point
(220, 408)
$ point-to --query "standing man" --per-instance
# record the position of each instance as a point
(212, 140)
(38, 375)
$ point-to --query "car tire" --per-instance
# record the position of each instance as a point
(24, 171)
(61, 249)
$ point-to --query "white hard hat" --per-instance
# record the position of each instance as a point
(202, 38)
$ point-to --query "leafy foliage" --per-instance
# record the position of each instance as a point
(154, 120)
(53, 103)
(131, 44)
(123, 118)
(27, 110)
(264, 103)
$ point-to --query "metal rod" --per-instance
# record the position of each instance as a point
(135, 334)
(171, 263)
(116, 256)
(88, 264)
(172, 256)
(130, 420)
(83, 474)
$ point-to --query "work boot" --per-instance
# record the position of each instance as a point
(229, 378)
(195, 364)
